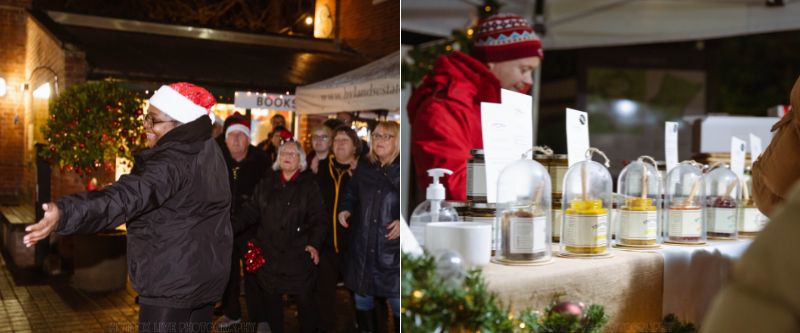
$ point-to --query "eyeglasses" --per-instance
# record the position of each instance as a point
(149, 120)
(290, 153)
(320, 137)
(382, 137)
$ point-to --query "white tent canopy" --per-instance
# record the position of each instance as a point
(580, 23)
(373, 86)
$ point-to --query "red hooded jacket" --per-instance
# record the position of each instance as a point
(445, 115)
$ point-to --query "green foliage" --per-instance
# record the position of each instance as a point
(671, 324)
(90, 124)
(429, 304)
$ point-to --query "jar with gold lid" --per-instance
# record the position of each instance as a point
(587, 200)
(523, 214)
(640, 189)
(685, 191)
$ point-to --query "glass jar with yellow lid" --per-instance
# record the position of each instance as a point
(640, 189)
(587, 200)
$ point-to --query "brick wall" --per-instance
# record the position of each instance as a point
(70, 65)
(26, 47)
(12, 69)
(372, 30)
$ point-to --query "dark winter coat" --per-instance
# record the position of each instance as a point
(176, 204)
(289, 217)
(243, 177)
(373, 197)
(329, 172)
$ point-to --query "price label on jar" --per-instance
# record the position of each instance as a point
(722, 220)
(685, 222)
(585, 230)
(751, 220)
(476, 180)
(638, 225)
(527, 234)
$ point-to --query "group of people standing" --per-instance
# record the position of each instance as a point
(197, 207)
(297, 212)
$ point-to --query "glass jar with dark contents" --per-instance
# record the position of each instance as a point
(721, 203)
(523, 214)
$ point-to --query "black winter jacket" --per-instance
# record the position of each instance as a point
(373, 198)
(243, 177)
(330, 172)
(289, 217)
(176, 204)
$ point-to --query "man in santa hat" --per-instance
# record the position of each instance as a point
(246, 166)
(176, 205)
(445, 110)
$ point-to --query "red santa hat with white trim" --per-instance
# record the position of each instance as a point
(239, 123)
(184, 102)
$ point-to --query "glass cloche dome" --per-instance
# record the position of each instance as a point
(639, 205)
(751, 220)
(684, 196)
(523, 235)
(586, 203)
(722, 202)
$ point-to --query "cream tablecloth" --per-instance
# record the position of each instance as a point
(636, 288)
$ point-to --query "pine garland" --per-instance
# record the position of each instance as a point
(433, 305)
(91, 124)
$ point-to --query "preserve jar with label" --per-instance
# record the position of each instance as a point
(684, 219)
(639, 187)
(523, 214)
(721, 203)
(751, 220)
(476, 176)
(587, 200)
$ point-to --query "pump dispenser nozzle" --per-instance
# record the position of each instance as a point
(435, 189)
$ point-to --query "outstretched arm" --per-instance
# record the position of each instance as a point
(112, 206)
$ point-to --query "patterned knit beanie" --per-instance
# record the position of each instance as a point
(505, 37)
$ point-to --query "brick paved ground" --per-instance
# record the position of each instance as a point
(34, 304)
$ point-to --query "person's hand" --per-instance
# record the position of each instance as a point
(343, 216)
(394, 230)
(314, 164)
(45, 227)
(314, 254)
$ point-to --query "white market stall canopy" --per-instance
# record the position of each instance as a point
(373, 86)
(574, 24)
